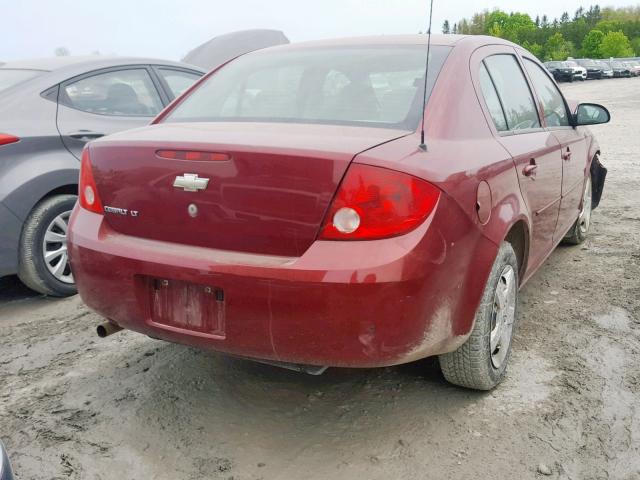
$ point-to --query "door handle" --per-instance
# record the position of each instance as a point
(86, 135)
(530, 170)
(567, 155)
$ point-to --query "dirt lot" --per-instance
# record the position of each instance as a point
(129, 407)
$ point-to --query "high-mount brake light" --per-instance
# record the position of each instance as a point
(6, 139)
(88, 193)
(193, 155)
(374, 202)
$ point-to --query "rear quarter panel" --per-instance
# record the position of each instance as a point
(32, 168)
(462, 153)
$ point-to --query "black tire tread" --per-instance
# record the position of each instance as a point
(575, 236)
(30, 271)
(470, 366)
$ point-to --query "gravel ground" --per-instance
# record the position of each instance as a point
(129, 407)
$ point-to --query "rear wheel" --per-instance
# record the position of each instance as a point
(482, 361)
(580, 229)
(44, 262)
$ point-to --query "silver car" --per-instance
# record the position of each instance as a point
(49, 109)
(6, 473)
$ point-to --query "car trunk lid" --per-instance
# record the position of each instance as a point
(268, 197)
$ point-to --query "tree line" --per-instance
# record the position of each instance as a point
(593, 33)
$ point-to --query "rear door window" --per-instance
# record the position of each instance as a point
(120, 92)
(555, 110)
(178, 80)
(492, 100)
(513, 91)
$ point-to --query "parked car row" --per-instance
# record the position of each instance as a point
(589, 69)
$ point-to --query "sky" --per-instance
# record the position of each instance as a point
(170, 28)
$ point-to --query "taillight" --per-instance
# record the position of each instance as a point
(88, 193)
(374, 202)
(6, 139)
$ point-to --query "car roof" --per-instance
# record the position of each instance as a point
(61, 69)
(382, 40)
(89, 62)
(223, 48)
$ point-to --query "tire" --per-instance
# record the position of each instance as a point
(580, 229)
(49, 217)
(481, 362)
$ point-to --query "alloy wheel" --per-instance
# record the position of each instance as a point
(584, 219)
(503, 315)
(54, 248)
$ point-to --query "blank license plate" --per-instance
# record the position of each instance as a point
(189, 306)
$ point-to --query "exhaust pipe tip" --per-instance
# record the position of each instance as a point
(107, 328)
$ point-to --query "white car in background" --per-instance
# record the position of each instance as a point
(579, 72)
(607, 71)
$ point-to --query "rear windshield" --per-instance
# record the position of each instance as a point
(372, 86)
(10, 77)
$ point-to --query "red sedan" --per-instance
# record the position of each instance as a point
(285, 209)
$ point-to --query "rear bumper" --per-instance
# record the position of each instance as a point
(359, 304)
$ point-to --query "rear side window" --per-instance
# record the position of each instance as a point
(120, 92)
(512, 88)
(492, 100)
(555, 111)
(10, 77)
(368, 85)
(178, 80)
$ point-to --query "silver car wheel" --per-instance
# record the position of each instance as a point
(584, 219)
(54, 248)
(503, 315)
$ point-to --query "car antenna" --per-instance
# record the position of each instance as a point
(423, 146)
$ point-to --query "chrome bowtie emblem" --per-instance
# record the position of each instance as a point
(190, 182)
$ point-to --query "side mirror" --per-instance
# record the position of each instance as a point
(591, 114)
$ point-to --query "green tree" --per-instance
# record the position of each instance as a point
(557, 48)
(445, 27)
(616, 44)
(520, 27)
(535, 48)
(606, 26)
(544, 23)
(591, 44)
(497, 17)
(575, 31)
(517, 27)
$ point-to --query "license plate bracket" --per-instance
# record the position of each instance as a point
(187, 306)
